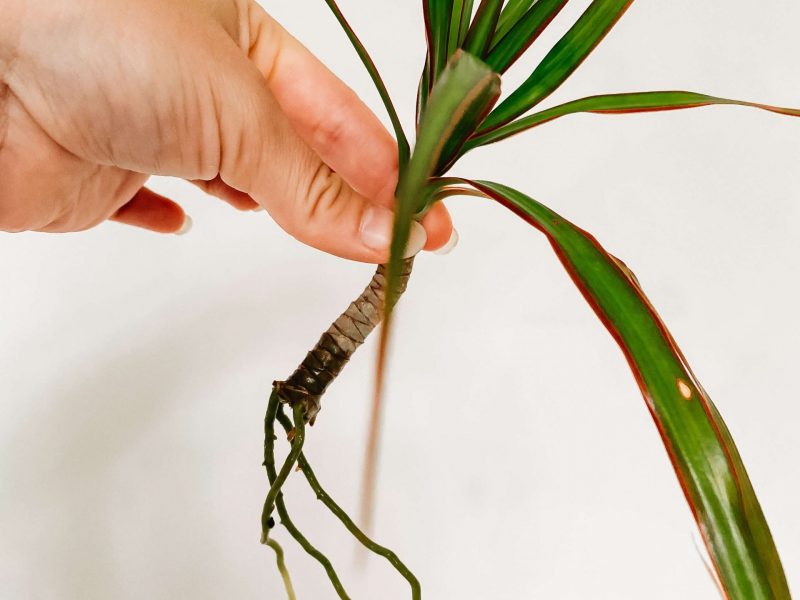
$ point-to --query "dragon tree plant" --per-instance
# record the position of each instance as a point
(470, 45)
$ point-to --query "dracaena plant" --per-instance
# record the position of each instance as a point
(469, 47)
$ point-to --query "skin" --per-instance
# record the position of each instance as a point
(97, 95)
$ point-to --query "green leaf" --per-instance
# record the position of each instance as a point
(699, 444)
(528, 27)
(482, 29)
(466, 17)
(568, 53)
(464, 94)
(423, 92)
(459, 24)
(631, 102)
(402, 141)
(437, 28)
(512, 11)
(461, 98)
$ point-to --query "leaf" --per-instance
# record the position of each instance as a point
(466, 17)
(631, 102)
(566, 56)
(699, 444)
(512, 11)
(524, 32)
(423, 92)
(402, 141)
(482, 29)
(464, 94)
(459, 24)
(437, 28)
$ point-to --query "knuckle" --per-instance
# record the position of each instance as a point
(325, 195)
(211, 141)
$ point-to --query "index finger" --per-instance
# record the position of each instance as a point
(327, 114)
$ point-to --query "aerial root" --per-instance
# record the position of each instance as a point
(275, 496)
(303, 391)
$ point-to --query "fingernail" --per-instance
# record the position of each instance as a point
(259, 208)
(451, 243)
(416, 240)
(376, 228)
(376, 231)
(186, 227)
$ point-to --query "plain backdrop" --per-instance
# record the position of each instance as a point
(519, 460)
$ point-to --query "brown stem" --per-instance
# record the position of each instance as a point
(327, 359)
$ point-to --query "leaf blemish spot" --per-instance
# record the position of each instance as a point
(684, 389)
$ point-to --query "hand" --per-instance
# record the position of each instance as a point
(97, 95)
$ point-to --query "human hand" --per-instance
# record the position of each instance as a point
(97, 95)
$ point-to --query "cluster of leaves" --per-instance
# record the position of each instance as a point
(469, 47)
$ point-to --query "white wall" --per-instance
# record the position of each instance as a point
(519, 460)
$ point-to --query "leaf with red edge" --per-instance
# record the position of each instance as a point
(566, 56)
(459, 24)
(512, 11)
(465, 92)
(701, 449)
(513, 44)
(403, 147)
(438, 15)
(629, 102)
(479, 37)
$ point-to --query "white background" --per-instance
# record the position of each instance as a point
(518, 460)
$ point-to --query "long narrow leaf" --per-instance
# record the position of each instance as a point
(402, 141)
(437, 28)
(512, 11)
(566, 56)
(455, 26)
(461, 98)
(466, 91)
(631, 102)
(526, 30)
(466, 18)
(699, 445)
(423, 92)
(482, 29)
(459, 25)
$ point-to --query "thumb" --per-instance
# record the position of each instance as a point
(262, 155)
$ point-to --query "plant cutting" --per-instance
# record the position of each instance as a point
(460, 108)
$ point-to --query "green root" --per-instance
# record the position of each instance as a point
(345, 519)
(275, 496)
(295, 430)
(310, 549)
(298, 438)
(279, 557)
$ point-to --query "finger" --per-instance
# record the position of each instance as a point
(152, 211)
(218, 188)
(331, 119)
(261, 155)
(326, 113)
(438, 226)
